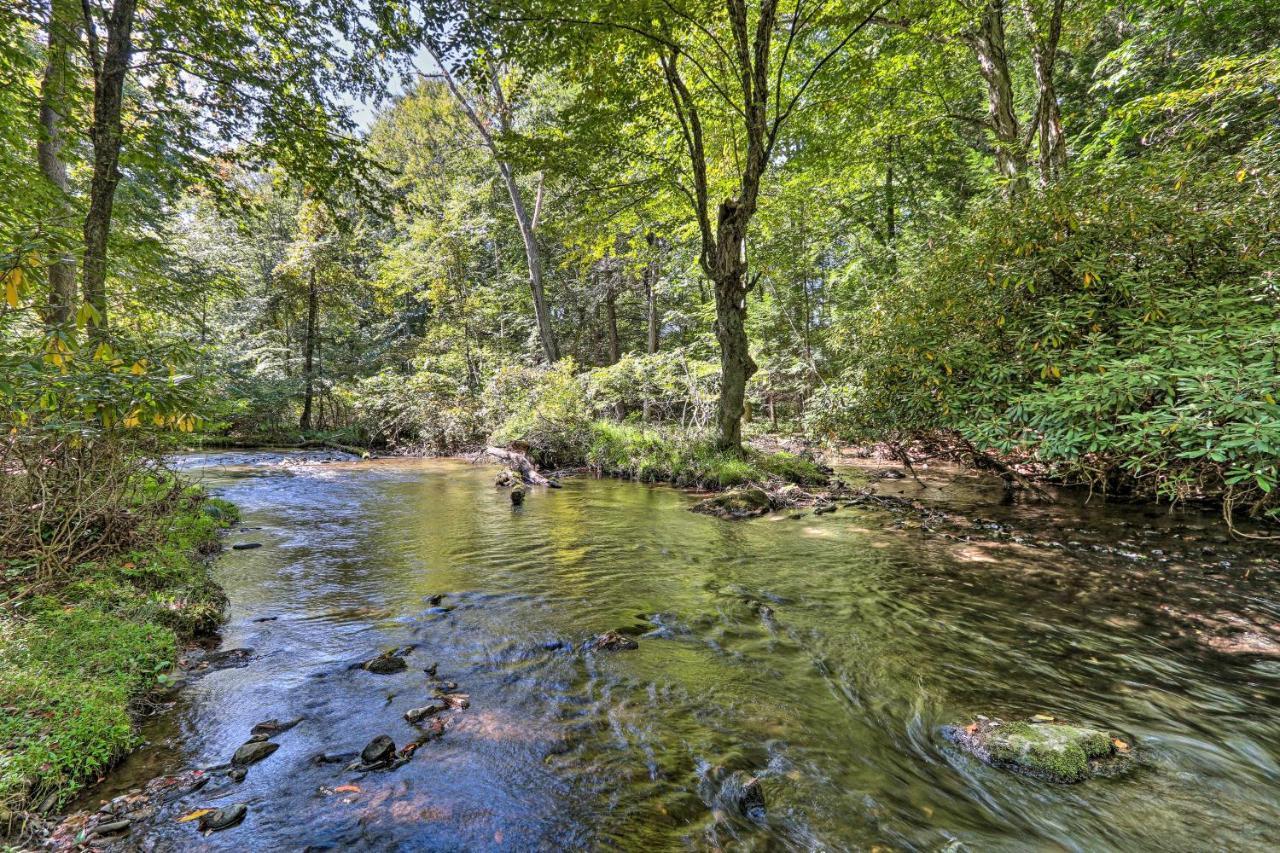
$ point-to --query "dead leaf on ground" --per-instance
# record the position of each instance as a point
(195, 815)
(347, 789)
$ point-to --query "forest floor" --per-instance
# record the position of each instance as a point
(81, 661)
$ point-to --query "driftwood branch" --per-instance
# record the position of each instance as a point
(520, 463)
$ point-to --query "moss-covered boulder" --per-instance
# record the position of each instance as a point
(1046, 749)
(736, 503)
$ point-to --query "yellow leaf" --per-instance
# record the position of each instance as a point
(195, 815)
(11, 293)
(1269, 398)
(138, 368)
(1241, 175)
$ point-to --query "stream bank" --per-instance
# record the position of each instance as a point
(84, 661)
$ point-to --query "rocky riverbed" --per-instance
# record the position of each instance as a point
(411, 660)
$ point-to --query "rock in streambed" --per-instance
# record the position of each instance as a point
(612, 641)
(736, 503)
(387, 662)
(253, 752)
(1042, 748)
(223, 818)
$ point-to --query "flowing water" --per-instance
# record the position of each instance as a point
(821, 655)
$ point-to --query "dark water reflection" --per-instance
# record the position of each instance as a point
(821, 655)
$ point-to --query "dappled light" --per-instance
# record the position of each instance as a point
(615, 424)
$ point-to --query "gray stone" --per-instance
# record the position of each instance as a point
(380, 750)
(253, 752)
(224, 818)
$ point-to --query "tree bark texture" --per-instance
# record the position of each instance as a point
(110, 67)
(308, 363)
(988, 44)
(64, 23)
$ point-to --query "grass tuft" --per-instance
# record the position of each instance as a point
(639, 453)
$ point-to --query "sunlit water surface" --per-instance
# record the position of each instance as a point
(820, 654)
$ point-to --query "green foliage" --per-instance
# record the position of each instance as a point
(542, 409)
(672, 456)
(74, 661)
(430, 408)
(1120, 327)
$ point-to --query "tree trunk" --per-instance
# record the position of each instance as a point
(1044, 54)
(534, 257)
(651, 308)
(64, 23)
(611, 320)
(988, 45)
(308, 364)
(890, 200)
(527, 224)
(736, 364)
(110, 70)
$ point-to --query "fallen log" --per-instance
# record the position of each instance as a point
(519, 462)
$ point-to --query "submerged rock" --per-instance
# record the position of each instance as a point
(379, 752)
(737, 792)
(273, 726)
(245, 546)
(517, 494)
(224, 818)
(456, 701)
(1049, 750)
(736, 503)
(417, 715)
(612, 641)
(386, 663)
(823, 509)
(253, 752)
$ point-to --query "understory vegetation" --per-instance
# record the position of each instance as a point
(103, 575)
(635, 237)
(81, 650)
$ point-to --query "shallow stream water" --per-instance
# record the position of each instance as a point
(821, 655)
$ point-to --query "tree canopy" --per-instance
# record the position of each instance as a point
(1035, 231)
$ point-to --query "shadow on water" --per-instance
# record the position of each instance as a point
(819, 655)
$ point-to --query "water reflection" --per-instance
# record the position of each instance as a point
(820, 656)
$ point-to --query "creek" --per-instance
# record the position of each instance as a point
(821, 655)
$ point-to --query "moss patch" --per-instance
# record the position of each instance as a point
(736, 503)
(72, 663)
(1058, 752)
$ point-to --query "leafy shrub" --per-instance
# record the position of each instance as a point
(430, 407)
(544, 410)
(670, 386)
(1123, 328)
